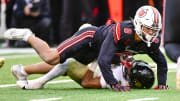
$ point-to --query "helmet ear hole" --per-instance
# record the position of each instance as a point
(141, 76)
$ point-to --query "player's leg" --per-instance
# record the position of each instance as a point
(21, 72)
(76, 70)
(38, 68)
(50, 56)
(38, 83)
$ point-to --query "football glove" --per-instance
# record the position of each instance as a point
(118, 87)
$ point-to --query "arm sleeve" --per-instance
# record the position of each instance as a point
(162, 69)
(106, 54)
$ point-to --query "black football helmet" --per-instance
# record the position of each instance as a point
(141, 75)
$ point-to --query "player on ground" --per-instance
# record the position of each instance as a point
(139, 36)
(138, 75)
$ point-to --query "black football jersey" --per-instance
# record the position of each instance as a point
(120, 38)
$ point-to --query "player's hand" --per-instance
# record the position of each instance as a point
(161, 87)
(118, 87)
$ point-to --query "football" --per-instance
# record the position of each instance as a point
(2, 60)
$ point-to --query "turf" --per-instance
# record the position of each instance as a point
(71, 91)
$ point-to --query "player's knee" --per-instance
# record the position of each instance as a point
(52, 59)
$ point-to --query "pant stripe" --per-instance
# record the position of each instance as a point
(72, 41)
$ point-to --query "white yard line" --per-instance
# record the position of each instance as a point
(16, 50)
(20, 56)
(51, 82)
(7, 85)
(48, 99)
(60, 81)
(144, 99)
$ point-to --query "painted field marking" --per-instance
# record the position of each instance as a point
(144, 99)
(7, 85)
(51, 82)
(20, 56)
(48, 99)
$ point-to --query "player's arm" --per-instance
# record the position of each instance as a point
(106, 54)
(108, 50)
(162, 69)
(89, 82)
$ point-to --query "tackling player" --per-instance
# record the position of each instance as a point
(139, 36)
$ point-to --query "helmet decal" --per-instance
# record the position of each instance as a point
(142, 13)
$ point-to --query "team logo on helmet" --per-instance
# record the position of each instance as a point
(142, 13)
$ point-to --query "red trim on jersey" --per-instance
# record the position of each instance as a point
(117, 32)
(109, 21)
(72, 41)
(125, 53)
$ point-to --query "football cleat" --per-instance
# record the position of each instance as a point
(17, 72)
(30, 84)
(85, 26)
(21, 83)
(17, 34)
(34, 84)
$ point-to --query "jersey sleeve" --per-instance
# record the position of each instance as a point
(118, 74)
(162, 68)
(107, 51)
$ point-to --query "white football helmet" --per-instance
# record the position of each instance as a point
(149, 17)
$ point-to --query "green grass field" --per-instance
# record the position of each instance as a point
(70, 91)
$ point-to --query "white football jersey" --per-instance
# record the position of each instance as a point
(118, 74)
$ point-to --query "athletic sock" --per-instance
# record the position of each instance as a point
(23, 71)
(58, 70)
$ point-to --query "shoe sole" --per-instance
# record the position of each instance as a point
(22, 82)
(27, 87)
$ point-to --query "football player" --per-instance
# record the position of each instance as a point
(140, 36)
(138, 75)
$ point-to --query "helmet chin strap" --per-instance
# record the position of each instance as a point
(148, 38)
